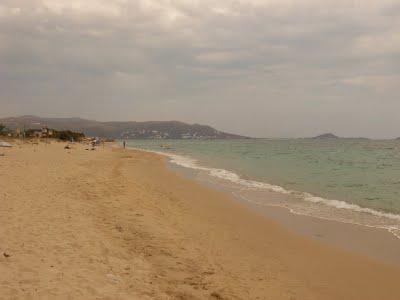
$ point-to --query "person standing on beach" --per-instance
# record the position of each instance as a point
(124, 144)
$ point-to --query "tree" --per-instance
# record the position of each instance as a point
(2, 128)
(68, 135)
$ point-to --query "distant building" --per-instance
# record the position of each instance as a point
(186, 136)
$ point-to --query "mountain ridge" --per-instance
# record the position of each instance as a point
(121, 129)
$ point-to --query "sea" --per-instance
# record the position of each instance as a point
(346, 180)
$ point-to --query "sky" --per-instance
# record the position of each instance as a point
(264, 68)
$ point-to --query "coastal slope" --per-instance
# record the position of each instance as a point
(115, 223)
(125, 130)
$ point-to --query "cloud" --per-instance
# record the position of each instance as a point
(258, 56)
(93, 8)
(376, 82)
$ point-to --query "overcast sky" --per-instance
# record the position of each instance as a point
(264, 68)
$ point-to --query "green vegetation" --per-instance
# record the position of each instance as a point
(3, 129)
(29, 133)
(64, 135)
(68, 135)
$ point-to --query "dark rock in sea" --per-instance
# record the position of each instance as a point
(326, 136)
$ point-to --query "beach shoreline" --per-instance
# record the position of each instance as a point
(246, 169)
(372, 241)
(114, 222)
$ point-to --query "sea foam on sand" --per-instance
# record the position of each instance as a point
(226, 175)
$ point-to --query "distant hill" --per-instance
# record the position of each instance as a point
(326, 136)
(133, 130)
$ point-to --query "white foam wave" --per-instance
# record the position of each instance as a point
(188, 162)
(354, 207)
(393, 229)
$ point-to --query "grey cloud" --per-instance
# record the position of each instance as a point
(253, 61)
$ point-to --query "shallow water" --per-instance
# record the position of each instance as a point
(350, 180)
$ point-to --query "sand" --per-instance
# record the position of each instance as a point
(377, 243)
(117, 224)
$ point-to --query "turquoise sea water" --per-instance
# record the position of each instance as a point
(334, 172)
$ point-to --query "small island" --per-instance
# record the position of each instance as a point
(326, 136)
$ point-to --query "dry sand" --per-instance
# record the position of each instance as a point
(117, 224)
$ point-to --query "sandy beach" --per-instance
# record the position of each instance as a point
(118, 224)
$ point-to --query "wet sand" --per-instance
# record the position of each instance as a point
(372, 242)
(118, 224)
(375, 243)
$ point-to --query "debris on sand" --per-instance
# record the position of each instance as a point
(215, 295)
(6, 254)
(113, 278)
(5, 144)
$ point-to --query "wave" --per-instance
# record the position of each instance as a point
(354, 207)
(393, 229)
(191, 163)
